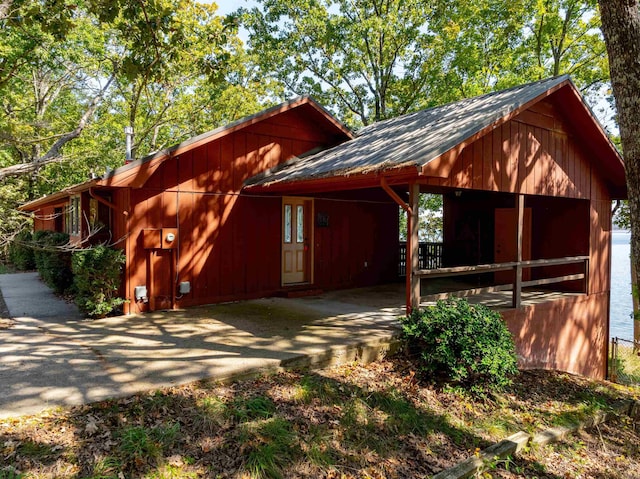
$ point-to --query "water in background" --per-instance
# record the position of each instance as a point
(621, 302)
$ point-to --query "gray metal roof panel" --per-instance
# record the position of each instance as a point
(410, 140)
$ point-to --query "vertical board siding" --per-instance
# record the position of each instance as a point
(600, 254)
(524, 155)
(228, 245)
(568, 334)
(359, 247)
(43, 219)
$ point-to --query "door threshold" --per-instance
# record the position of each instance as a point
(299, 290)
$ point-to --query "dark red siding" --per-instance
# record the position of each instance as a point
(536, 153)
(228, 242)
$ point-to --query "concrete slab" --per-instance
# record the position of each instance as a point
(26, 296)
(51, 360)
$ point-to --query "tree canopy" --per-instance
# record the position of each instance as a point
(73, 74)
(375, 59)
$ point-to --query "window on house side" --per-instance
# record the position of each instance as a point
(73, 216)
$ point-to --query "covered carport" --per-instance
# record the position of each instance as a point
(527, 177)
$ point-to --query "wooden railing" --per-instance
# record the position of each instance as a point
(429, 254)
(517, 283)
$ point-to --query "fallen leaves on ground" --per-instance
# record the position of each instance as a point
(379, 420)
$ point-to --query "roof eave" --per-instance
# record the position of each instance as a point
(394, 176)
(58, 196)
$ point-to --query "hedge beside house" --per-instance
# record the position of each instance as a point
(96, 278)
(21, 251)
(52, 262)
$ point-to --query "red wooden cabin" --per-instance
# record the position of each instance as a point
(290, 199)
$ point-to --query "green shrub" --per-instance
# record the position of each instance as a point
(462, 343)
(21, 251)
(97, 279)
(52, 262)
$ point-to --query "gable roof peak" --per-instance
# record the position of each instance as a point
(416, 139)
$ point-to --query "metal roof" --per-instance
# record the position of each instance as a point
(410, 140)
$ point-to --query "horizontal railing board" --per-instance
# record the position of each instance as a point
(484, 268)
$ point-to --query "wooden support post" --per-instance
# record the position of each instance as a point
(517, 285)
(150, 287)
(172, 273)
(413, 246)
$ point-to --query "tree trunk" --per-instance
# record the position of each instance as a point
(636, 305)
(621, 29)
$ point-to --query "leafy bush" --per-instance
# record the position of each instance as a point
(21, 251)
(462, 343)
(97, 279)
(52, 262)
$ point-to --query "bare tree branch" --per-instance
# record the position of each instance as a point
(5, 6)
(55, 152)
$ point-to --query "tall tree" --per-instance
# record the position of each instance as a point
(171, 68)
(373, 59)
(367, 59)
(621, 28)
(565, 38)
(163, 48)
(48, 101)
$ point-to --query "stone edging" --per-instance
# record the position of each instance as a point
(514, 443)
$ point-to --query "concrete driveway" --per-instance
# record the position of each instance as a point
(51, 357)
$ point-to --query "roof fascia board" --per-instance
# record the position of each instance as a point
(57, 196)
(441, 166)
(396, 176)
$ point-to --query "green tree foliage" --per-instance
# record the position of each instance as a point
(373, 59)
(367, 59)
(21, 251)
(49, 101)
(164, 49)
(96, 279)
(431, 215)
(12, 222)
(462, 343)
(622, 215)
